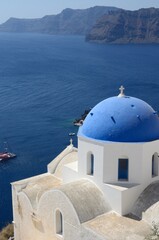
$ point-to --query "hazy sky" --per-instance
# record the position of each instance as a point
(39, 8)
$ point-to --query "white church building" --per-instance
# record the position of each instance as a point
(106, 189)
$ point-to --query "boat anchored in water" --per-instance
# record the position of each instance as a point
(79, 122)
(6, 154)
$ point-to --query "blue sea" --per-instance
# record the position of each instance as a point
(47, 81)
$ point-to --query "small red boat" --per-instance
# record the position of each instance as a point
(6, 155)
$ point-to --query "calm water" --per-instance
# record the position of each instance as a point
(47, 81)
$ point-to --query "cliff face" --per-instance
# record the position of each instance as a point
(69, 21)
(140, 26)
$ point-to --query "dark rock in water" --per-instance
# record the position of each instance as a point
(140, 26)
(69, 21)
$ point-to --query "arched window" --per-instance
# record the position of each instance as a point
(155, 165)
(59, 222)
(90, 164)
(123, 169)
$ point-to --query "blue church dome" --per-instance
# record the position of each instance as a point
(121, 119)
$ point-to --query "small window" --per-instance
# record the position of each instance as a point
(59, 223)
(123, 169)
(155, 165)
(90, 164)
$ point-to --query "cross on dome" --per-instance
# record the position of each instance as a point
(121, 91)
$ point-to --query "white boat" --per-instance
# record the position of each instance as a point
(71, 134)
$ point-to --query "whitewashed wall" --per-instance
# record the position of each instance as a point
(120, 194)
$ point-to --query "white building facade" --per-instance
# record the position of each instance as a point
(84, 189)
